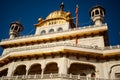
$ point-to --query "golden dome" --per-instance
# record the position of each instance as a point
(56, 17)
(59, 14)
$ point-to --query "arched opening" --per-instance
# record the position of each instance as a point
(82, 69)
(92, 14)
(16, 28)
(35, 69)
(115, 71)
(101, 12)
(60, 29)
(51, 68)
(43, 32)
(96, 12)
(12, 27)
(4, 72)
(20, 70)
(51, 30)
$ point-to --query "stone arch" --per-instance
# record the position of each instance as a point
(81, 68)
(4, 72)
(115, 71)
(51, 68)
(51, 30)
(35, 69)
(60, 29)
(43, 32)
(20, 70)
(96, 12)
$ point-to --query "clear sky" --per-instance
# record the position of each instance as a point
(28, 12)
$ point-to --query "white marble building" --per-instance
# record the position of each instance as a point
(60, 51)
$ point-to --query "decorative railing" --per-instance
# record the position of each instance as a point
(80, 28)
(52, 76)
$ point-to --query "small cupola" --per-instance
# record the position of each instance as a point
(97, 14)
(15, 28)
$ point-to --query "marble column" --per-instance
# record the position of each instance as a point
(62, 65)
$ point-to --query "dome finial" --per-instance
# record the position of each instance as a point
(62, 6)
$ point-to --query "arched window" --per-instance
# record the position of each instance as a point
(80, 68)
(43, 32)
(51, 30)
(92, 14)
(12, 27)
(16, 28)
(60, 29)
(96, 12)
(35, 69)
(4, 72)
(51, 68)
(115, 70)
(20, 70)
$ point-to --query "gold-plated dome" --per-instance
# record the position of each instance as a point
(59, 14)
(56, 17)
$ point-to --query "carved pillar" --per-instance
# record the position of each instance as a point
(43, 68)
(27, 69)
(10, 69)
(97, 71)
(62, 65)
(42, 72)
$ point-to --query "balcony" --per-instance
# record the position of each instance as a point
(52, 76)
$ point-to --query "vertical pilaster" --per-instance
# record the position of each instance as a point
(27, 69)
(43, 68)
(105, 70)
(42, 72)
(62, 65)
(101, 70)
(11, 69)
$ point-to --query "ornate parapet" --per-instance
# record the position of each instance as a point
(53, 77)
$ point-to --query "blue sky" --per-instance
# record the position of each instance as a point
(28, 12)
